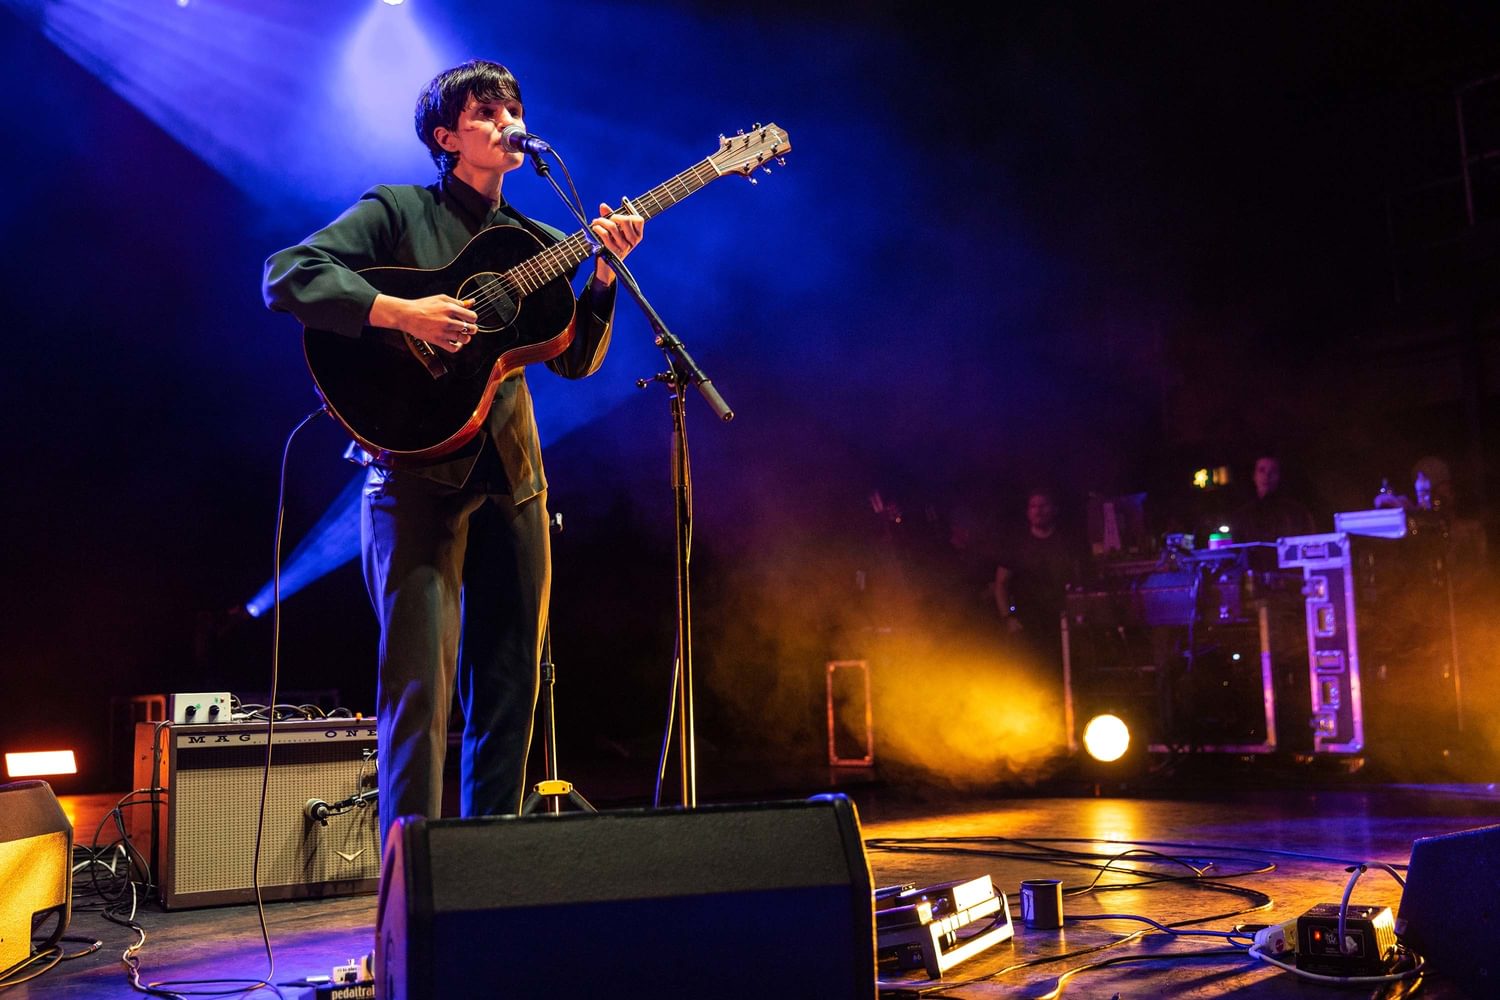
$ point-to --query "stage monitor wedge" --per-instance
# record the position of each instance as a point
(36, 883)
(1450, 908)
(767, 899)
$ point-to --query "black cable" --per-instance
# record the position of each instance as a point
(938, 991)
(170, 988)
(1260, 900)
(1126, 959)
(576, 209)
(7, 978)
(961, 845)
(666, 738)
(1167, 844)
(94, 944)
(1082, 859)
(132, 855)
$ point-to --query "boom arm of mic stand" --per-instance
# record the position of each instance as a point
(681, 362)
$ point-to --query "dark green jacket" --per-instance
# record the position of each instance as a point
(426, 227)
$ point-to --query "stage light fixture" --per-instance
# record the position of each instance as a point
(1106, 738)
(40, 763)
(392, 3)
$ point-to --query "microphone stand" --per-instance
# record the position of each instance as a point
(681, 370)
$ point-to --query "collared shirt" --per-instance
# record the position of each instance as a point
(318, 283)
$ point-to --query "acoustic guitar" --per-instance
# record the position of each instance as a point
(405, 401)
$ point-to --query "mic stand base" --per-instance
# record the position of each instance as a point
(551, 793)
(551, 790)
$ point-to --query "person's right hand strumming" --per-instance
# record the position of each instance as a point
(441, 320)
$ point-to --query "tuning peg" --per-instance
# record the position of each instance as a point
(781, 161)
(751, 179)
(765, 170)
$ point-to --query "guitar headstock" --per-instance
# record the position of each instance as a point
(746, 152)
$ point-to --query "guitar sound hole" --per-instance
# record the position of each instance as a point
(492, 301)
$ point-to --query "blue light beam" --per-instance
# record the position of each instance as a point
(333, 541)
(263, 92)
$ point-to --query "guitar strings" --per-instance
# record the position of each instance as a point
(546, 266)
(535, 272)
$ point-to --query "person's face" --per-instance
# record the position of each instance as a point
(476, 136)
(1267, 476)
(1040, 513)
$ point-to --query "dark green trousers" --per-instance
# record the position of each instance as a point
(460, 581)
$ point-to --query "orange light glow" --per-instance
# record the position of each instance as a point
(39, 763)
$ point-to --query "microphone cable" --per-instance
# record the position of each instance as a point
(171, 988)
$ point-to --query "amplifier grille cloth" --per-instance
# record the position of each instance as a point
(217, 798)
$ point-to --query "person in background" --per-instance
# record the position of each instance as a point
(1432, 488)
(1433, 495)
(1272, 514)
(1033, 571)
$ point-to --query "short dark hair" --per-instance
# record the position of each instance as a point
(444, 98)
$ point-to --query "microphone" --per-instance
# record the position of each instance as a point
(516, 138)
(317, 809)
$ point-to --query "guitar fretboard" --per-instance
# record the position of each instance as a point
(560, 258)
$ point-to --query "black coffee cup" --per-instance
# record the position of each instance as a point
(1041, 903)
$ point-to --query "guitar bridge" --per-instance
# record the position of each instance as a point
(435, 365)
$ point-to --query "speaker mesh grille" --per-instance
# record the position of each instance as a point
(215, 795)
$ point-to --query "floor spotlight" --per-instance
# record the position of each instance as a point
(40, 764)
(1106, 738)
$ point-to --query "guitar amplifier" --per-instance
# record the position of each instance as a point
(202, 827)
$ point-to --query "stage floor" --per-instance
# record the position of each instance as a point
(1267, 852)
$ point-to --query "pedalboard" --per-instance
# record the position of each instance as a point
(341, 991)
(354, 980)
(1368, 946)
(936, 927)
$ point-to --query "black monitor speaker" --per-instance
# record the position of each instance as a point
(728, 901)
(1450, 908)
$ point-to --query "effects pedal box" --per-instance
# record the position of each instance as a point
(1368, 946)
(199, 707)
(937, 927)
(341, 991)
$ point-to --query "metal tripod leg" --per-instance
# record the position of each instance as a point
(550, 792)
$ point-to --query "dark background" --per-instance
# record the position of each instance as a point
(1099, 246)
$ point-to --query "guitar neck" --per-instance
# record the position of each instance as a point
(562, 257)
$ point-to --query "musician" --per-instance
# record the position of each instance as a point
(456, 552)
(1435, 501)
(1432, 485)
(1273, 513)
(1034, 569)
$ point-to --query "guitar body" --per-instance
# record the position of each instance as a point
(405, 401)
